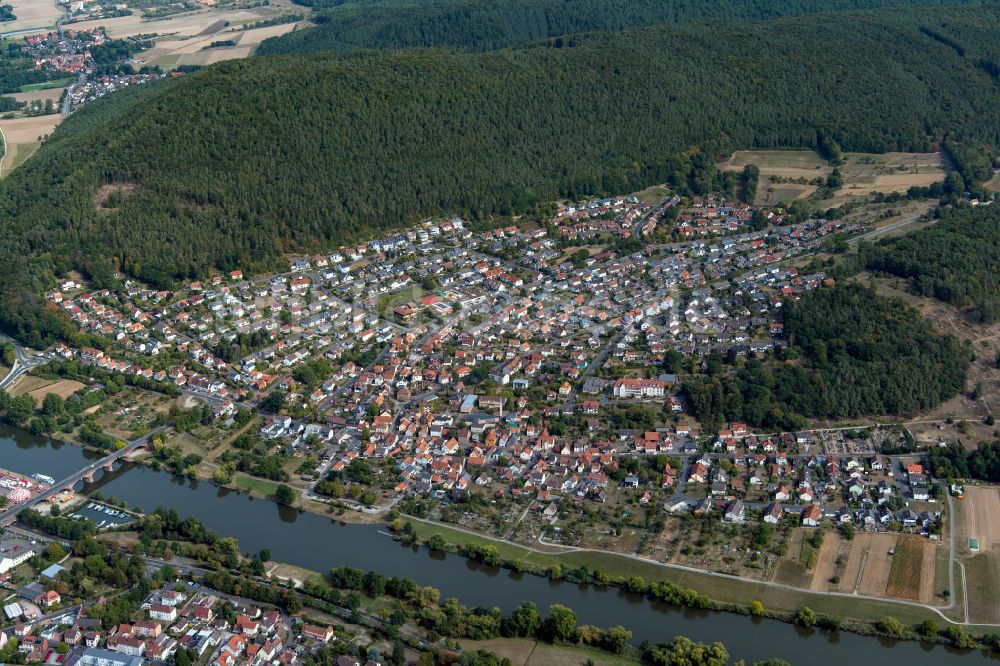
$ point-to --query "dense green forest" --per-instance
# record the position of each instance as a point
(956, 261)
(953, 461)
(851, 353)
(238, 163)
(10, 104)
(472, 24)
(17, 71)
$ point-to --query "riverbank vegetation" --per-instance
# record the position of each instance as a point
(164, 534)
(850, 353)
(215, 190)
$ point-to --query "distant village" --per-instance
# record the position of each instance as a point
(70, 53)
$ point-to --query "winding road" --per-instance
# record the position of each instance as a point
(23, 362)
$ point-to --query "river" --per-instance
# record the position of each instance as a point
(318, 543)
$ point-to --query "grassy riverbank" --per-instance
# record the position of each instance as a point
(728, 593)
(525, 652)
(780, 601)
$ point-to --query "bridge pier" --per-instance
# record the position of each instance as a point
(109, 466)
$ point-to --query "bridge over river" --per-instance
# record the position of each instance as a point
(85, 474)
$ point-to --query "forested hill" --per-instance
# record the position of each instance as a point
(233, 165)
(477, 25)
(957, 260)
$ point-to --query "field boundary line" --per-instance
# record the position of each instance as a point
(695, 570)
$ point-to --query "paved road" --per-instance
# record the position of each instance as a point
(325, 404)
(23, 362)
(72, 610)
(10, 514)
(595, 364)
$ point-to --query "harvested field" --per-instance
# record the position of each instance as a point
(255, 36)
(826, 563)
(192, 51)
(868, 562)
(23, 135)
(27, 384)
(218, 55)
(862, 173)
(517, 651)
(877, 563)
(32, 15)
(64, 388)
(526, 652)
(907, 568)
(928, 572)
(208, 22)
(784, 163)
(976, 518)
(38, 95)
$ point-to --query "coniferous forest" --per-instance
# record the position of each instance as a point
(346, 26)
(241, 162)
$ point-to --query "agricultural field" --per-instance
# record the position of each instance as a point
(794, 171)
(882, 565)
(203, 23)
(792, 569)
(37, 388)
(829, 563)
(40, 95)
(978, 546)
(63, 388)
(192, 51)
(22, 137)
(911, 575)
(783, 164)
(187, 39)
(255, 36)
(36, 15)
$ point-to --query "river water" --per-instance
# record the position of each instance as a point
(318, 543)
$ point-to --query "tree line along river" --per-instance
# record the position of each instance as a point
(316, 542)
